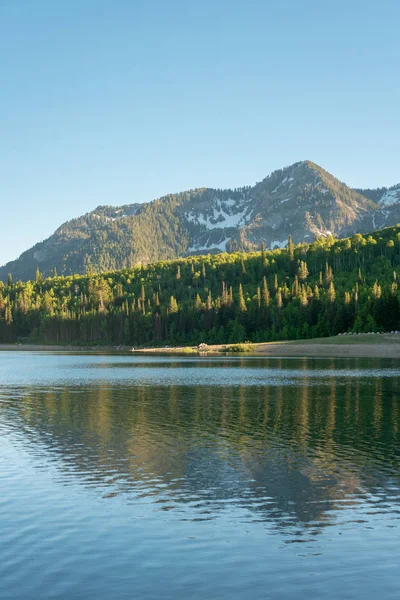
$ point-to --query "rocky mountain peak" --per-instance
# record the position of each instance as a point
(302, 200)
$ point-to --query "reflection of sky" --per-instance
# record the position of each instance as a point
(221, 487)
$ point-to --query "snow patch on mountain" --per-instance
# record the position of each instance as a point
(278, 244)
(223, 215)
(221, 246)
(284, 183)
(390, 197)
(230, 202)
(106, 218)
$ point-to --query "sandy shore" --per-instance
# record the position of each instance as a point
(384, 346)
(351, 350)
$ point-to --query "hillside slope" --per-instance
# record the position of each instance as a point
(303, 200)
(307, 291)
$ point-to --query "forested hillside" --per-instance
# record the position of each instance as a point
(302, 200)
(310, 290)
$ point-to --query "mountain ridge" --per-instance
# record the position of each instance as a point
(303, 200)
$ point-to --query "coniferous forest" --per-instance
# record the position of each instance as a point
(311, 290)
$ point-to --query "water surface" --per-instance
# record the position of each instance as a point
(159, 477)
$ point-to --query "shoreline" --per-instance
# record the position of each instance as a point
(363, 346)
(61, 348)
(290, 349)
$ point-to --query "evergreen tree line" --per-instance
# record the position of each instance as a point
(311, 290)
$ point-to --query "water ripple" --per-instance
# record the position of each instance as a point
(192, 478)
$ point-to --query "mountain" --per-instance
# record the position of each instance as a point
(303, 200)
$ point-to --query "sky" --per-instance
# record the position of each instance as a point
(113, 102)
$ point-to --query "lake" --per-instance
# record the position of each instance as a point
(127, 476)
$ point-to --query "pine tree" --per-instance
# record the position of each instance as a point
(8, 314)
(279, 302)
(275, 286)
(303, 296)
(295, 287)
(242, 303)
(263, 256)
(198, 303)
(173, 305)
(265, 293)
(303, 270)
(290, 248)
(328, 274)
(258, 298)
(224, 295)
(376, 290)
(209, 302)
(331, 293)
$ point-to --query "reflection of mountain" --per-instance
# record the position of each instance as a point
(282, 454)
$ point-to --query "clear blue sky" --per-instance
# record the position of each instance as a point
(111, 102)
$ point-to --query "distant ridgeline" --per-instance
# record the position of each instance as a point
(327, 287)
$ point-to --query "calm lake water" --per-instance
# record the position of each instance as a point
(198, 478)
